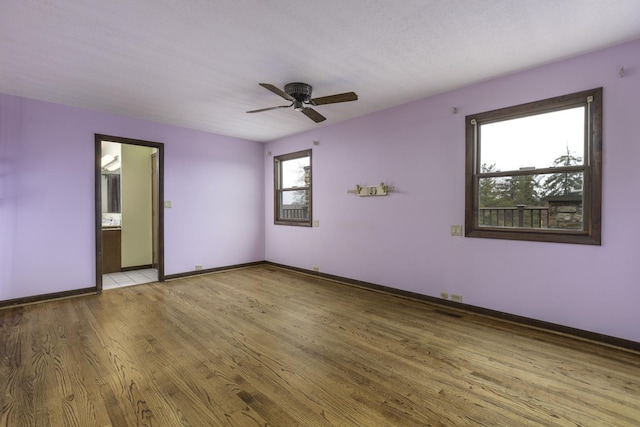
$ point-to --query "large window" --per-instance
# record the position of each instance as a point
(534, 171)
(293, 188)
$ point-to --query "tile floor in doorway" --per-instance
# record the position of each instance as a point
(129, 278)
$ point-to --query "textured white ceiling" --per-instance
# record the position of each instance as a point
(197, 63)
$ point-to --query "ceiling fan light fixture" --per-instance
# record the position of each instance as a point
(298, 106)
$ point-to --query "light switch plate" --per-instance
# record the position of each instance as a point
(167, 203)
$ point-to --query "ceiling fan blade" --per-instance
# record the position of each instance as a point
(313, 115)
(270, 108)
(277, 91)
(332, 99)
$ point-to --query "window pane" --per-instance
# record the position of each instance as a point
(292, 189)
(528, 174)
(549, 201)
(294, 172)
(539, 141)
(294, 204)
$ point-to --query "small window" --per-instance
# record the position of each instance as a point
(534, 171)
(293, 188)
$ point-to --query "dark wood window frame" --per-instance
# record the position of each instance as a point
(278, 190)
(592, 170)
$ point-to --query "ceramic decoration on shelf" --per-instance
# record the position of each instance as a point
(372, 190)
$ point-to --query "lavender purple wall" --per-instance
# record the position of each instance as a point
(47, 241)
(403, 240)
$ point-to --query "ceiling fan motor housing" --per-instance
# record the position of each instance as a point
(299, 91)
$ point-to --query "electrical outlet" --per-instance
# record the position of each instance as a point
(316, 268)
(316, 223)
(198, 266)
(456, 230)
(456, 298)
(444, 295)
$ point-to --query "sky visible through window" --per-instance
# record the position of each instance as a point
(533, 141)
(293, 176)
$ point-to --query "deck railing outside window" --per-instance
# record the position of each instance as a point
(295, 213)
(521, 216)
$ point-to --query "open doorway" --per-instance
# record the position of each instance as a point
(129, 176)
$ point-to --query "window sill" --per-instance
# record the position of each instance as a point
(559, 236)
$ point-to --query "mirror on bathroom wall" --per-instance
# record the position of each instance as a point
(111, 193)
(111, 173)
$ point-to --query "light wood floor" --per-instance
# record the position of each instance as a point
(263, 346)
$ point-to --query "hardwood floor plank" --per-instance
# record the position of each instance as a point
(155, 372)
(263, 346)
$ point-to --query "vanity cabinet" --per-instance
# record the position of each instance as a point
(111, 252)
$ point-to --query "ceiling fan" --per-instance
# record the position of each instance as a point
(300, 95)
